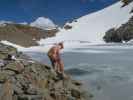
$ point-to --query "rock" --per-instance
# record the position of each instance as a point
(76, 82)
(15, 97)
(47, 67)
(22, 82)
(120, 34)
(6, 50)
(48, 98)
(43, 83)
(2, 63)
(17, 89)
(32, 90)
(17, 67)
(30, 97)
(126, 2)
(7, 91)
(76, 93)
(67, 27)
(4, 76)
(131, 11)
(58, 85)
(71, 98)
(91, 96)
(3, 55)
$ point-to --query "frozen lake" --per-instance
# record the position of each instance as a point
(106, 70)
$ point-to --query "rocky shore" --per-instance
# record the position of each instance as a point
(22, 78)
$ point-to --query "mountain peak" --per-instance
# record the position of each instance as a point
(43, 23)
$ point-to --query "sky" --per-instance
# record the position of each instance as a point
(60, 11)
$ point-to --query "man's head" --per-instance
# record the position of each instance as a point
(61, 45)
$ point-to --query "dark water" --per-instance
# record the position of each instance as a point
(107, 72)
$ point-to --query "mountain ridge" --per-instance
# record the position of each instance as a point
(24, 35)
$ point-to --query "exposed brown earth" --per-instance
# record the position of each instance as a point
(24, 35)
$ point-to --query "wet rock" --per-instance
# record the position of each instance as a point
(76, 82)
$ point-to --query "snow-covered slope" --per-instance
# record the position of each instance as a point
(43, 23)
(92, 27)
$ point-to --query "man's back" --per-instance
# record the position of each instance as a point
(54, 51)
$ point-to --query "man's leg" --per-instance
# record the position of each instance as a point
(53, 63)
(61, 69)
(56, 66)
(61, 66)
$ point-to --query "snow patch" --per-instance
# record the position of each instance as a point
(30, 49)
(19, 48)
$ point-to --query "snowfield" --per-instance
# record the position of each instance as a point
(92, 27)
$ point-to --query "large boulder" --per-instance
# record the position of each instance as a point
(15, 66)
(6, 50)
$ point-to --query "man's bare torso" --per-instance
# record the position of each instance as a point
(54, 53)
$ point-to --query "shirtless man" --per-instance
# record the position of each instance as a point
(54, 56)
